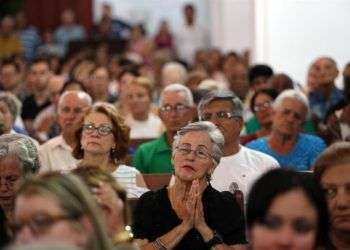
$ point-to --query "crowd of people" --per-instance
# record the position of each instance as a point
(256, 161)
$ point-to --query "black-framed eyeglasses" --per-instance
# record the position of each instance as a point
(200, 152)
(219, 115)
(102, 130)
(39, 223)
(177, 108)
(262, 106)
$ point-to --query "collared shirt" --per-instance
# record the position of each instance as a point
(56, 155)
(320, 105)
(153, 157)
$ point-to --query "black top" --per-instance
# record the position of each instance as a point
(154, 217)
(31, 109)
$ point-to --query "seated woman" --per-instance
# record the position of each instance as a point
(286, 143)
(58, 208)
(142, 121)
(287, 210)
(332, 170)
(18, 159)
(113, 201)
(260, 124)
(190, 214)
(103, 142)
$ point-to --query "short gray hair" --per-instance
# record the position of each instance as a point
(214, 133)
(13, 103)
(178, 68)
(221, 95)
(181, 89)
(81, 95)
(23, 148)
(292, 94)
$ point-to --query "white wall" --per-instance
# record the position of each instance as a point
(292, 33)
(151, 12)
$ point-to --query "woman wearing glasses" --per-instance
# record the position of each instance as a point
(190, 214)
(103, 142)
(56, 208)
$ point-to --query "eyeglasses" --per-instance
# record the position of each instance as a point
(102, 130)
(200, 152)
(177, 108)
(219, 115)
(39, 223)
(262, 106)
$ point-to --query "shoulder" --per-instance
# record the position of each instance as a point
(127, 169)
(51, 143)
(258, 143)
(310, 140)
(259, 156)
(150, 145)
(152, 198)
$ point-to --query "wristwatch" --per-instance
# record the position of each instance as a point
(216, 240)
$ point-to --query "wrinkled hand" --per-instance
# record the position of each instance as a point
(106, 197)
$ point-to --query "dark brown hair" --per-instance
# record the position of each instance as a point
(120, 131)
(336, 154)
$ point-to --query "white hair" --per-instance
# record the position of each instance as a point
(173, 72)
(213, 132)
(178, 88)
(292, 94)
(80, 94)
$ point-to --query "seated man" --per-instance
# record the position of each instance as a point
(240, 166)
(176, 110)
(285, 142)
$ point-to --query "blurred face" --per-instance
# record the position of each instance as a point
(40, 75)
(336, 182)
(7, 117)
(238, 79)
(230, 127)
(325, 70)
(260, 82)
(99, 81)
(263, 109)
(175, 112)
(8, 77)
(97, 136)
(10, 174)
(138, 100)
(285, 228)
(71, 112)
(40, 218)
(289, 117)
(192, 157)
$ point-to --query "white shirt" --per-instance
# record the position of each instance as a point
(150, 128)
(239, 171)
(126, 177)
(56, 155)
(188, 39)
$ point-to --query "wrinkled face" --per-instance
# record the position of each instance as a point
(71, 112)
(289, 117)
(137, 99)
(175, 117)
(40, 218)
(285, 228)
(263, 109)
(336, 182)
(7, 116)
(325, 70)
(8, 77)
(99, 138)
(229, 127)
(10, 174)
(40, 75)
(192, 158)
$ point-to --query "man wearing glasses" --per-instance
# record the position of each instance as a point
(240, 166)
(56, 154)
(176, 111)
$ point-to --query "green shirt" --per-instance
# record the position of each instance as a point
(153, 157)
